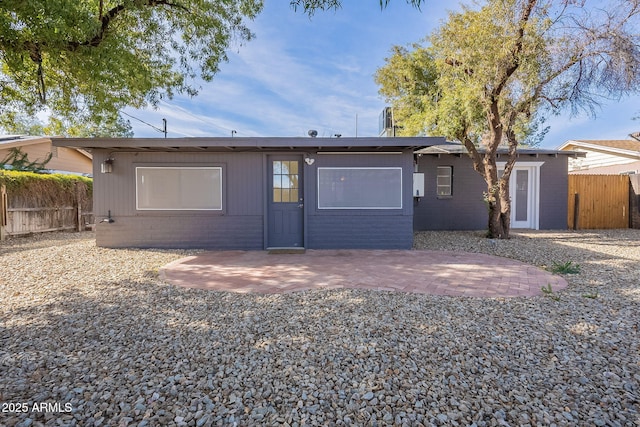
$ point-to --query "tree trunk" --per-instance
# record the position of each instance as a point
(505, 208)
(493, 198)
(498, 226)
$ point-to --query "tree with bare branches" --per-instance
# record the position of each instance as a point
(490, 75)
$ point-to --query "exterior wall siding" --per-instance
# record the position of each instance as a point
(554, 187)
(222, 232)
(466, 209)
(360, 232)
(242, 223)
(360, 228)
(597, 159)
(238, 226)
(626, 168)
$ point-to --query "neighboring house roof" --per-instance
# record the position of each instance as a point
(14, 141)
(73, 160)
(621, 147)
(243, 144)
(456, 148)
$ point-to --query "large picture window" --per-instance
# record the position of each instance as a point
(359, 188)
(179, 188)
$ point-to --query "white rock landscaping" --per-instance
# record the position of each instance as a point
(92, 337)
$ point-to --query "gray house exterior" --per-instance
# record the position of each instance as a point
(539, 185)
(254, 193)
(314, 193)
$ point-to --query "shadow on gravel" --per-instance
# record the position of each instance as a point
(40, 241)
(125, 351)
(128, 351)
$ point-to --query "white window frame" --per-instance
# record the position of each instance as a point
(360, 207)
(450, 175)
(219, 168)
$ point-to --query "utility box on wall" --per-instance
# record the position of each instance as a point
(418, 185)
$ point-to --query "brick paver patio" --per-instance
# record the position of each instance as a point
(430, 272)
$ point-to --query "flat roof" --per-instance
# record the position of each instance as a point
(459, 149)
(246, 144)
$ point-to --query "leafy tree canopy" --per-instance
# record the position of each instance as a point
(113, 127)
(90, 58)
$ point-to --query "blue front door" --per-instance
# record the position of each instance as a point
(285, 202)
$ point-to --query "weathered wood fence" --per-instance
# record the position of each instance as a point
(16, 221)
(598, 201)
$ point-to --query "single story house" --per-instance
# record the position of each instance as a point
(315, 193)
(604, 157)
(38, 148)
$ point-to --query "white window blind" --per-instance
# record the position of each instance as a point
(360, 188)
(179, 188)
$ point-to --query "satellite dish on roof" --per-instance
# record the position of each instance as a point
(313, 133)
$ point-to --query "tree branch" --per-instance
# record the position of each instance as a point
(526, 15)
(111, 14)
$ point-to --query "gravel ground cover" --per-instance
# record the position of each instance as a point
(91, 336)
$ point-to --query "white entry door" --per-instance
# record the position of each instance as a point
(524, 186)
(521, 198)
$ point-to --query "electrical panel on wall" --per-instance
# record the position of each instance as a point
(418, 185)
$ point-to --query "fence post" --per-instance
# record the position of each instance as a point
(78, 208)
(576, 210)
(4, 211)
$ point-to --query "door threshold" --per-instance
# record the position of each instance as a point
(286, 250)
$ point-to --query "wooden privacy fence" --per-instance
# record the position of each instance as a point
(16, 221)
(598, 201)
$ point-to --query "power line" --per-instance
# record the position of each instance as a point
(208, 121)
(164, 131)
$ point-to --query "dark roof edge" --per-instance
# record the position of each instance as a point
(256, 142)
(458, 149)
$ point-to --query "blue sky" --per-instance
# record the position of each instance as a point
(302, 73)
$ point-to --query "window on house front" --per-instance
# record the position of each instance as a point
(360, 188)
(179, 188)
(285, 181)
(444, 180)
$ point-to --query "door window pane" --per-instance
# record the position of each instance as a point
(522, 195)
(285, 181)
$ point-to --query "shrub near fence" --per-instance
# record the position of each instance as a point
(45, 202)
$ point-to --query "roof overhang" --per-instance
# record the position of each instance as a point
(600, 148)
(13, 141)
(248, 144)
(459, 150)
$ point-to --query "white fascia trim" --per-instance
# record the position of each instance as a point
(596, 147)
(501, 165)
